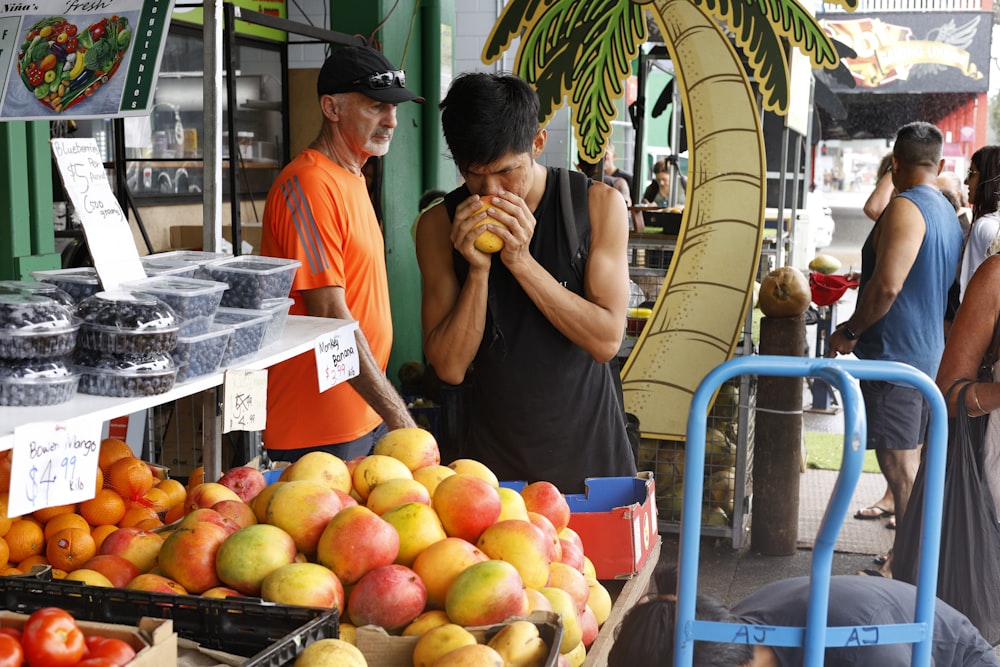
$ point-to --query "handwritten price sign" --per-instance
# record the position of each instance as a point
(337, 357)
(53, 464)
(109, 237)
(244, 400)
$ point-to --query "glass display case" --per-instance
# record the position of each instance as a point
(164, 151)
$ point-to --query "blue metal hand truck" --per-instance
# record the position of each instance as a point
(815, 636)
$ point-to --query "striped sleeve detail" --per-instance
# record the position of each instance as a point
(305, 224)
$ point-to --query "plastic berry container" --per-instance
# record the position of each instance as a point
(154, 266)
(32, 382)
(38, 288)
(279, 316)
(197, 259)
(124, 375)
(248, 327)
(253, 279)
(201, 354)
(194, 301)
(124, 322)
(78, 283)
(35, 327)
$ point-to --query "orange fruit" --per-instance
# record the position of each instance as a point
(57, 523)
(100, 532)
(46, 513)
(130, 477)
(30, 561)
(196, 477)
(112, 449)
(156, 499)
(176, 493)
(99, 484)
(25, 538)
(135, 513)
(5, 462)
(9, 570)
(58, 573)
(5, 521)
(70, 548)
(4, 552)
(106, 507)
(149, 524)
(174, 513)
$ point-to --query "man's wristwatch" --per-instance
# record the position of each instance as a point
(849, 332)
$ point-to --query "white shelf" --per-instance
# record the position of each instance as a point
(300, 335)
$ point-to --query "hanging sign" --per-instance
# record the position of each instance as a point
(244, 400)
(80, 58)
(337, 356)
(109, 236)
(53, 463)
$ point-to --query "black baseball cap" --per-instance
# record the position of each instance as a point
(362, 69)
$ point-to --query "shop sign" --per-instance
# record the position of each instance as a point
(80, 58)
(925, 52)
(53, 463)
(276, 8)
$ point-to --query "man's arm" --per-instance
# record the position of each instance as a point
(372, 384)
(594, 322)
(453, 316)
(897, 242)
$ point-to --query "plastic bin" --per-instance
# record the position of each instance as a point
(194, 258)
(279, 315)
(201, 354)
(27, 382)
(126, 375)
(154, 265)
(38, 288)
(248, 327)
(78, 283)
(35, 327)
(123, 322)
(194, 301)
(253, 279)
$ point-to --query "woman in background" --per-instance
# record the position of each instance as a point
(984, 196)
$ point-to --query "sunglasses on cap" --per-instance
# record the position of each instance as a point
(380, 80)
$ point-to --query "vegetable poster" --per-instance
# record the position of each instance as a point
(80, 58)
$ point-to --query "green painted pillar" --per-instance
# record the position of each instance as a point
(27, 241)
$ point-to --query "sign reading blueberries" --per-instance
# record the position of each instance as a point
(337, 357)
(54, 463)
(244, 400)
(109, 236)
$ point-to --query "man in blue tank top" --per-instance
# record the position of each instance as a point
(541, 332)
(908, 263)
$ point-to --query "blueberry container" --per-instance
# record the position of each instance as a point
(78, 283)
(124, 322)
(193, 258)
(36, 287)
(279, 315)
(30, 382)
(194, 301)
(253, 279)
(248, 327)
(123, 375)
(201, 354)
(35, 327)
(154, 265)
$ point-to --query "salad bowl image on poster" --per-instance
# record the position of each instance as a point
(70, 62)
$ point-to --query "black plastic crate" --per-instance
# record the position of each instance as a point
(287, 649)
(243, 626)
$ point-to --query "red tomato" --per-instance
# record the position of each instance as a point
(51, 638)
(70, 29)
(111, 648)
(97, 31)
(13, 632)
(11, 653)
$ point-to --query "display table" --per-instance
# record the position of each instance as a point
(299, 336)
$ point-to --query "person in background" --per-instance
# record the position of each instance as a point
(658, 191)
(984, 196)
(884, 189)
(539, 331)
(610, 169)
(950, 182)
(646, 634)
(594, 172)
(319, 211)
(908, 262)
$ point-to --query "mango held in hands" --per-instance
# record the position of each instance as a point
(487, 241)
(784, 292)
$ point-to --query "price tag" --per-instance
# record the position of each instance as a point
(337, 357)
(244, 400)
(53, 463)
(109, 237)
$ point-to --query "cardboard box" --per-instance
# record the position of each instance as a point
(154, 640)
(385, 650)
(191, 237)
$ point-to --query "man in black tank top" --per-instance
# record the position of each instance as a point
(538, 330)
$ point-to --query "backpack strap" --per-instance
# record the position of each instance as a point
(574, 191)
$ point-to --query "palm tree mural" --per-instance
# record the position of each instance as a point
(581, 50)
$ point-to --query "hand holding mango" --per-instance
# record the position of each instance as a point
(487, 241)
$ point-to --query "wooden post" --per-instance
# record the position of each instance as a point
(777, 443)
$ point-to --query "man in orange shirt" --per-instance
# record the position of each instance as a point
(318, 211)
